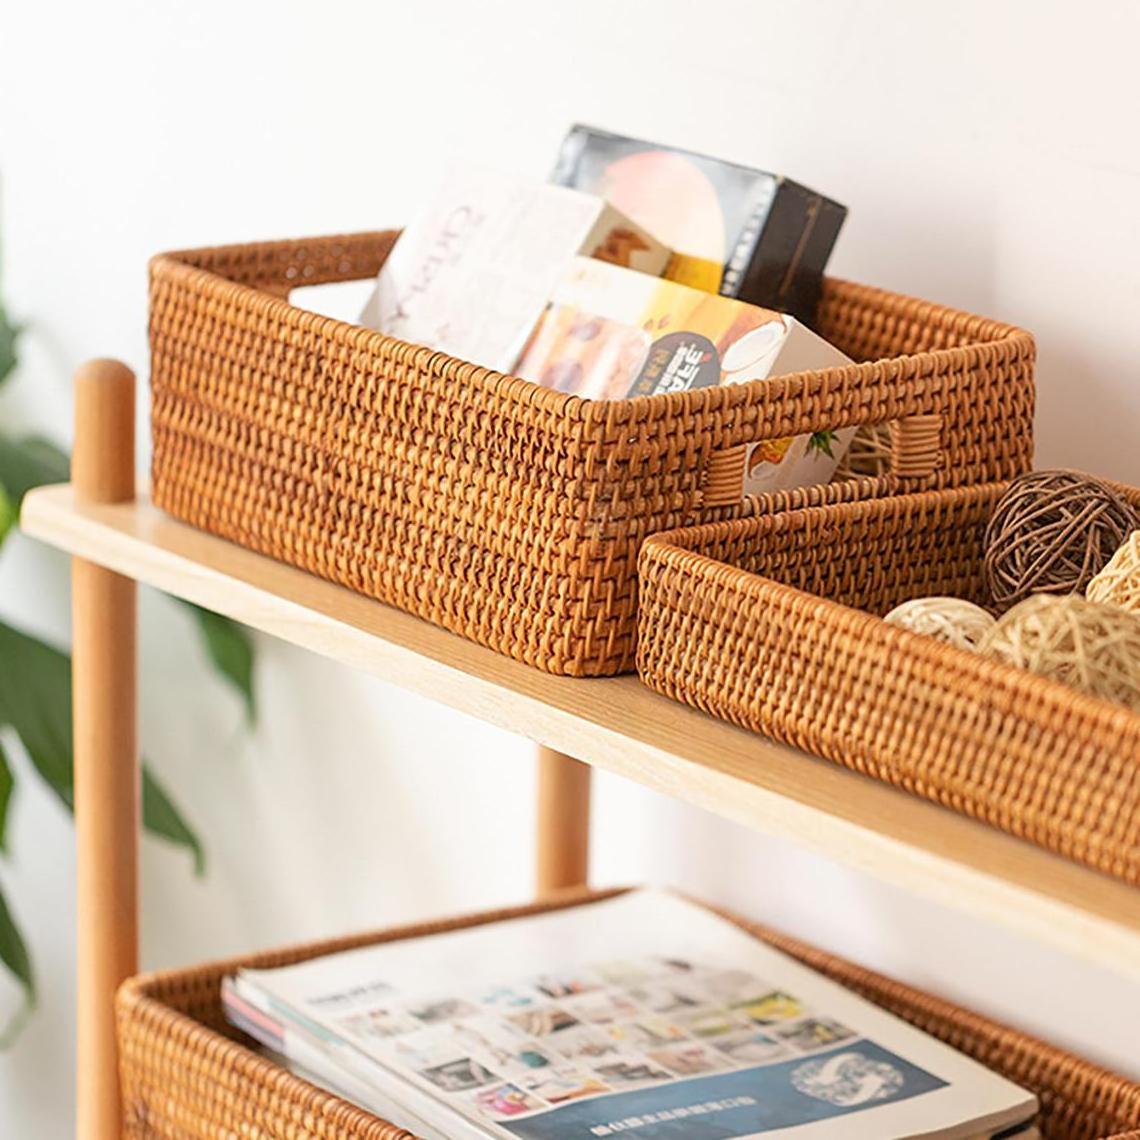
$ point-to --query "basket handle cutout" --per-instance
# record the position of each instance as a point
(916, 453)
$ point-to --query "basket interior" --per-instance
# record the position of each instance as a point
(869, 555)
(923, 545)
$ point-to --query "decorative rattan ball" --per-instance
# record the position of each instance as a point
(953, 620)
(1093, 647)
(1052, 532)
(1119, 582)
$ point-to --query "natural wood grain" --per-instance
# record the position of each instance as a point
(104, 695)
(563, 821)
(618, 724)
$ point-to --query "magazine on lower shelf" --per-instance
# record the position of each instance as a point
(642, 1014)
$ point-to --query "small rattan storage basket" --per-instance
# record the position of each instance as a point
(770, 623)
(501, 510)
(188, 1076)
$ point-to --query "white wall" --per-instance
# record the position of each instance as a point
(988, 153)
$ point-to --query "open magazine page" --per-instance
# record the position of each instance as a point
(337, 1066)
(642, 1014)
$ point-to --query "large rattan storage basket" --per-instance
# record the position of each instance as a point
(501, 510)
(188, 1076)
(771, 623)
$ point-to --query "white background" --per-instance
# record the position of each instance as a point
(988, 153)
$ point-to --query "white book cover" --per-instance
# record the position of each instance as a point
(643, 1014)
(472, 273)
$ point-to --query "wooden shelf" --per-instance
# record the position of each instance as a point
(619, 725)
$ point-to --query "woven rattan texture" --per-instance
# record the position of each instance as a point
(186, 1076)
(498, 509)
(759, 622)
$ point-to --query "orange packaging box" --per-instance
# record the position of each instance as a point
(611, 333)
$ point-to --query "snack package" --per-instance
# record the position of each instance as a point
(472, 274)
(609, 333)
(736, 231)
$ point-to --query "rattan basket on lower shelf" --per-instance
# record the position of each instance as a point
(501, 510)
(188, 1076)
(771, 623)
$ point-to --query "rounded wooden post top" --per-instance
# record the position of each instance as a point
(103, 462)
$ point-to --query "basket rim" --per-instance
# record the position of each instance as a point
(992, 337)
(677, 551)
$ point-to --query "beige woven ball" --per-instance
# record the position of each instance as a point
(952, 620)
(1119, 582)
(1092, 647)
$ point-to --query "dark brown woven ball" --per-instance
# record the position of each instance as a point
(1051, 533)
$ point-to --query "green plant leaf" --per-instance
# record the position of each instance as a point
(35, 700)
(28, 462)
(9, 334)
(161, 817)
(14, 955)
(823, 441)
(7, 514)
(7, 783)
(231, 650)
(13, 952)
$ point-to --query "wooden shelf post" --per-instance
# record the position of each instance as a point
(563, 821)
(104, 696)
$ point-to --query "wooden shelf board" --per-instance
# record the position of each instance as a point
(619, 725)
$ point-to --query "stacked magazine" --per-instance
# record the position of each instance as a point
(641, 1014)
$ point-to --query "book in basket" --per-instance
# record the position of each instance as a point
(641, 1014)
